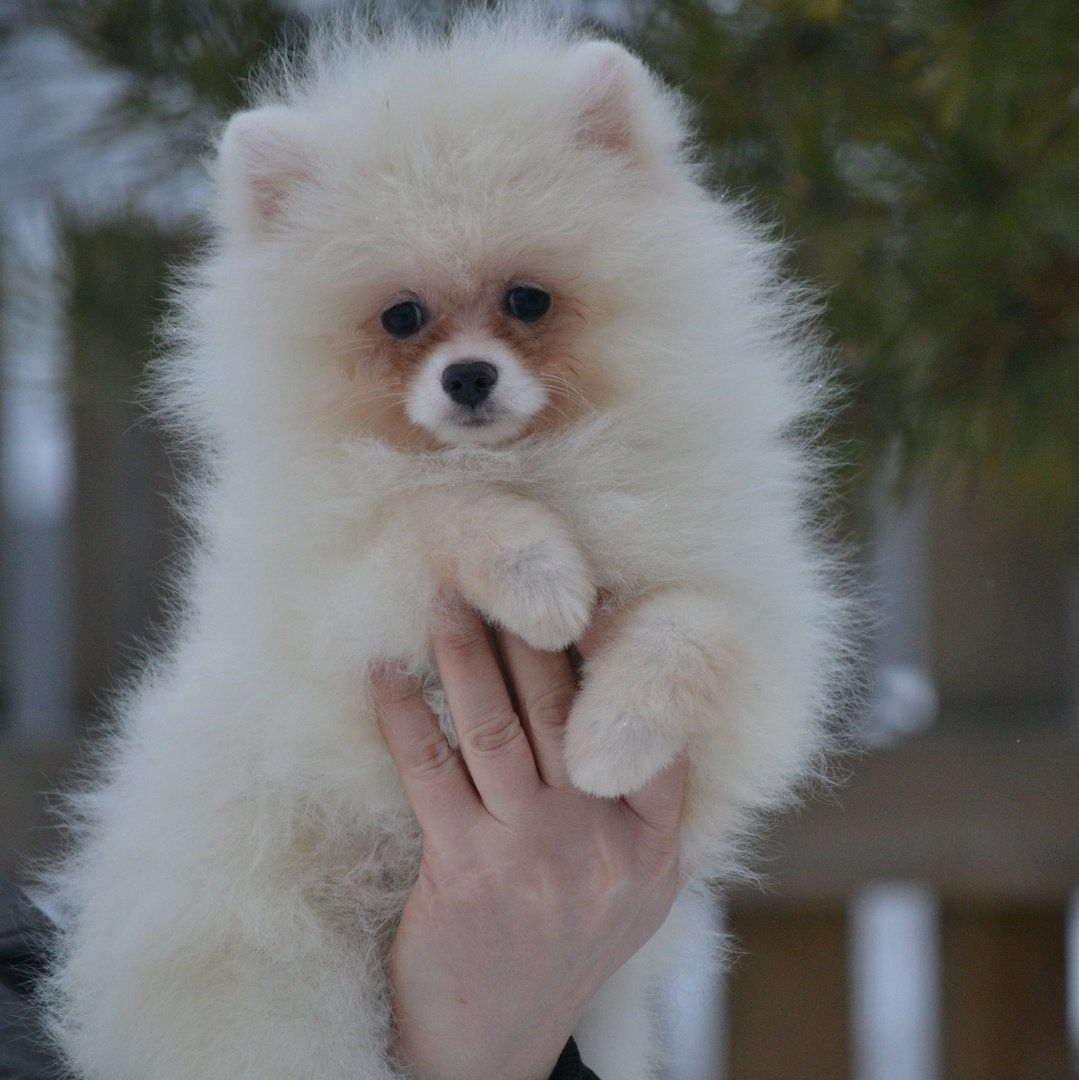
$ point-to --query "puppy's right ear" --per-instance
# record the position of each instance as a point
(623, 111)
(265, 157)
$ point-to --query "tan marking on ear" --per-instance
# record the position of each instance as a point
(615, 83)
(264, 159)
(270, 193)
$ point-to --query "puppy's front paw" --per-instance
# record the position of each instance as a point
(519, 562)
(615, 748)
(542, 591)
(658, 680)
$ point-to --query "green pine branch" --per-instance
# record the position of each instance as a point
(921, 155)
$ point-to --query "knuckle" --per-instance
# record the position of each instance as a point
(550, 708)
(494, 733)
(463, 638)
(392, 695)
(429, 756)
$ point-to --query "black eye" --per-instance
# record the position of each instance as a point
(527, 303)
(403, 319)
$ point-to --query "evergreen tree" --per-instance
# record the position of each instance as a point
(921, 155)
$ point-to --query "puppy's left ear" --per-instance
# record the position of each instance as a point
(264, 159)
(624, 111)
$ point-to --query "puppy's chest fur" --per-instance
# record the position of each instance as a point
(594, 481)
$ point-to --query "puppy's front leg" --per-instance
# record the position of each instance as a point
(515, 559)
(660, 677)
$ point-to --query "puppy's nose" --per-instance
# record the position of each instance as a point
(470, 382)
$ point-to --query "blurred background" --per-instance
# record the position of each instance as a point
(921, 157)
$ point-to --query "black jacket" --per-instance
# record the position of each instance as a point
(25, 1051)
(25, 933)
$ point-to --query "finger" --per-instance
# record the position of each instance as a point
(660, 802)
(434, 777)
(601, 628)
(544, 685)
(495, 746)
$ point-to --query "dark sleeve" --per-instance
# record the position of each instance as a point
(26, 1052)
(569, 1066)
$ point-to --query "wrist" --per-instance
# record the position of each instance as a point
(508, 1051)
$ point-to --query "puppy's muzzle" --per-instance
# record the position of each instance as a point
(469, 383)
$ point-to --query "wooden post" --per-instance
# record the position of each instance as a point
(789, 995)
(1003, 993)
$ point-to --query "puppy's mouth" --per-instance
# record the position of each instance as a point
(487, 424)
(485, 416)
(484, 399)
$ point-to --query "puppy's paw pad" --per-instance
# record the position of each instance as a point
(544, 594)
(610, 753)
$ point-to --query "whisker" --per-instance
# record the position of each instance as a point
(398, 400)
(346, 404)
(565, 388)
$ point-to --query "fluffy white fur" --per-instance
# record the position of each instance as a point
(245, 857)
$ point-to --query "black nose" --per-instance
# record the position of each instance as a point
(469, 383)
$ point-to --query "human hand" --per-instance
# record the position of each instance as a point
(530, 894)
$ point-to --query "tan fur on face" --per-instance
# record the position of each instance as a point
(379, 369)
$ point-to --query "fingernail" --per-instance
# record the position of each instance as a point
(449, 613)
(390, 673)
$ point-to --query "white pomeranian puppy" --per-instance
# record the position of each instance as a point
(470, 325)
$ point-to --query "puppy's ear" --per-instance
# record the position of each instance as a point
(265, 156)
(622, 109)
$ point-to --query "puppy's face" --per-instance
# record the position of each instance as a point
(457, 236)
(479, 361)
